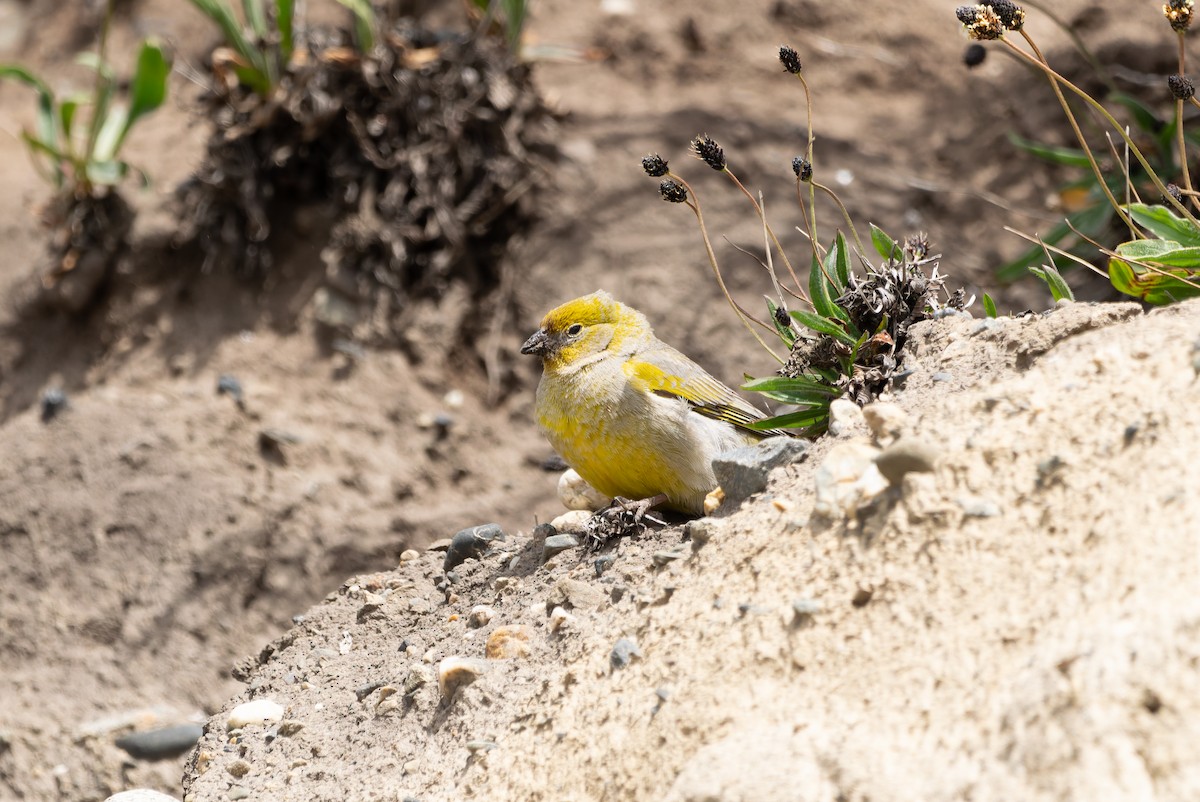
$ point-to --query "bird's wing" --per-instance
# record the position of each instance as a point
(664, 371)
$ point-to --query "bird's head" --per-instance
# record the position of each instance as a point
(582, 330)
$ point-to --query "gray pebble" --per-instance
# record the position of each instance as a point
(230, 386)
(906, 455)
(471, 542)
(557, 544)
(743, 472)
(978, 507)
(942, 376)
(54, 401)
(162, 743)
(475, 747)
(239, 792)
(669, 556)
(700, 531)
(363, 691)
(623, 652)
(603, 563)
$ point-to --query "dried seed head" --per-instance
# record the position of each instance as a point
(1173, 191)
(706, 149)
(1011, 15)
(981, 22)
(974, 55)
(783, 318)
(1178, 13)
(1181, 87)
(802, 167)
(654, 165)
(672, 191)
(790, 59)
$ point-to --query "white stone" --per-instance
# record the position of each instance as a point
(847, 479)
(886, 421)
(576, 494)
(259, 711)
(572, 523)
(141, 795)
(844, 416)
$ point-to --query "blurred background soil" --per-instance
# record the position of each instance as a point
(155, 532)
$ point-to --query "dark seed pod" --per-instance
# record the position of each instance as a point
(654, 165)
(1181, 87)
(790, 59)
(672, 191)
(708, 151)
(974, 55)
(803, 169)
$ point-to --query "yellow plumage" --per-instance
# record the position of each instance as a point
(632, 415)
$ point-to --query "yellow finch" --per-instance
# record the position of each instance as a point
(636, 418)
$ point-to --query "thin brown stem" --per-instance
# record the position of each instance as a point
(693, 203)
(761, 216)
(1056, 79)
(845, 214)
(809, 155)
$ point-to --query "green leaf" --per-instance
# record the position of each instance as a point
(514, 21)
(147, 91)
(823, 325)
(66, 116)
(885, 246)
(47, 126)
(285, 11)
(256, 16)
(818, 291)
(793, 389)
(1162, 222)
(837, 264)
(1054, 280)
(989, 305)
(1071, 157)
(364, 23)
(222, 14)
(106, 172)
(795, 420)
(1161, 252)
(108, 138)
(1153, 288)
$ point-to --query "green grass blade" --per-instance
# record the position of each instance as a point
(364, 23)
(285, 11)
(823, 325)
(1069, 157)
(989, 305)
(1054, 280)
(256, 17)
(885, 246)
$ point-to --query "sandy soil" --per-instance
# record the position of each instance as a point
(148, 543)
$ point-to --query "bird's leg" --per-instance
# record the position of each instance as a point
(621, 518)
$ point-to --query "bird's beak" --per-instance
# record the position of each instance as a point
(538, 344)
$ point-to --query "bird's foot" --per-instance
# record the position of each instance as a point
(622, 518)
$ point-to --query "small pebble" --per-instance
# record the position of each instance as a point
(700, 531)
(363, 691)
(560, 619)
(480, 615)
(475, 747)
(238, 792)
(847, 479)
(408, 555)
(623, 652)
(669, 556)
(290, 727)
(603, 563)
(141, 795)
(557, 544)
(844, 417)
(54, 401)
(259, 711)
(509, 642)
(458, 672)
(471, 542)
(906, 455)
(978, 507)
(239, 768)
(573, 593)
(230, 386)
(942, 376)
(713, 501)
(418, 677)
(885, 420)
(161, 743)
(576, 494)
(572, 523)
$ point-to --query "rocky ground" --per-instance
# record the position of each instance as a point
(982, 618)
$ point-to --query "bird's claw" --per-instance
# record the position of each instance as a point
(621, 518)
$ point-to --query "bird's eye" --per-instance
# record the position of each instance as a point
(574, 329)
